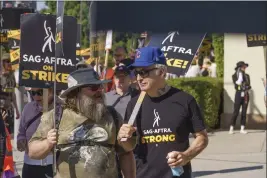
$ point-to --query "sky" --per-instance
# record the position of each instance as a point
(40, 5)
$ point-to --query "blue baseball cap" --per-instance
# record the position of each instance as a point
(148, 56)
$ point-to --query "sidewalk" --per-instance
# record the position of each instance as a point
(227, 156)
(232, 156)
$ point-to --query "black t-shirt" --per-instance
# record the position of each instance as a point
(163, 125)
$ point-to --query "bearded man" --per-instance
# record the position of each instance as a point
(86, 132)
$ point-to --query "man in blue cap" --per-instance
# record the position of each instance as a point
(166, 118)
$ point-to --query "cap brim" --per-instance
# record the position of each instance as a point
(66, 92)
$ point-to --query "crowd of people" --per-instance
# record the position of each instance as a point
(202, 67)
(91, 123)
(92, 137)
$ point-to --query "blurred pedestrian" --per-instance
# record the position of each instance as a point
(241, 82)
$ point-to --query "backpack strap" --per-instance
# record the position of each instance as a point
(33, 119)
(114, 114)
(59, 112)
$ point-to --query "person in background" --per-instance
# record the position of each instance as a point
(119, 98)
(213, 67)
(29, 122)
(194, 69)
(241, 82)
(2, 141)
(123, 92)
(119, 57)
(166, 118)
(205, 70)
(8, 84)
(82, 64)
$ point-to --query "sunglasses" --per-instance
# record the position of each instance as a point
(93, 87)
(38, 93)
(143, 73)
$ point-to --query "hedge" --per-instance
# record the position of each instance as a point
(218, 45)
(207, 92)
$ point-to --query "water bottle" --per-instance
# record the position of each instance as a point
(177, 171)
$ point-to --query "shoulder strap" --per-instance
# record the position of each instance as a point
(117, 100)
(114, 116)
(33, 120)
(59, 112)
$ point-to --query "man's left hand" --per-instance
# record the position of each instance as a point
(176, 158)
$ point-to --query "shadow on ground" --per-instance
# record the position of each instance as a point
(206, 173)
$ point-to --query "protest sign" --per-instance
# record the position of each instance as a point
(14, 49)
(37, 51)
(179, 49)
(78, 42)
(10, 20)
(256, 40)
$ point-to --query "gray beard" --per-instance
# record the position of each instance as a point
(91, 109)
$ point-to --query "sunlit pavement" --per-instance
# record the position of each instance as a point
(227, 156)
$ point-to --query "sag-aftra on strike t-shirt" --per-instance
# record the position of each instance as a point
(163, 125)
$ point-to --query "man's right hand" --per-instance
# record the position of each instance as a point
(126, 131)
(52, 138)
(21, 145)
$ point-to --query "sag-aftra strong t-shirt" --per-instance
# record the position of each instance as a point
(163, 125)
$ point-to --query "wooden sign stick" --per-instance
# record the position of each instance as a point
(135, 111)
(45, 104)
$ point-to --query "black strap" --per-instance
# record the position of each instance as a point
(114, 114)
(59, 112)
(33, 120)
(133, 92)
(85, 143)
(117, 100)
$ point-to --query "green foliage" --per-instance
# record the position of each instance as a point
(218, 44)
(77, 9)
(207, 93)
(122, 39)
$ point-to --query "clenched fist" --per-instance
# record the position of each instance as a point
(176, 158)
(52, 138)
(126, 131)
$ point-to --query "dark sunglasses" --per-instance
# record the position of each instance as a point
(93, 87)
(38, 92)
(143, 73)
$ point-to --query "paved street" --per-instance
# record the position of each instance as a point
(227, 156)
(233, 156)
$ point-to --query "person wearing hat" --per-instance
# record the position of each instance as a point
(241, 82)
(8, 85)
(166, 118)
(29, 122)
(82, 64)
(85, 134)
(120, 97)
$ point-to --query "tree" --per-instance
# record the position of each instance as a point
(77, 9)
